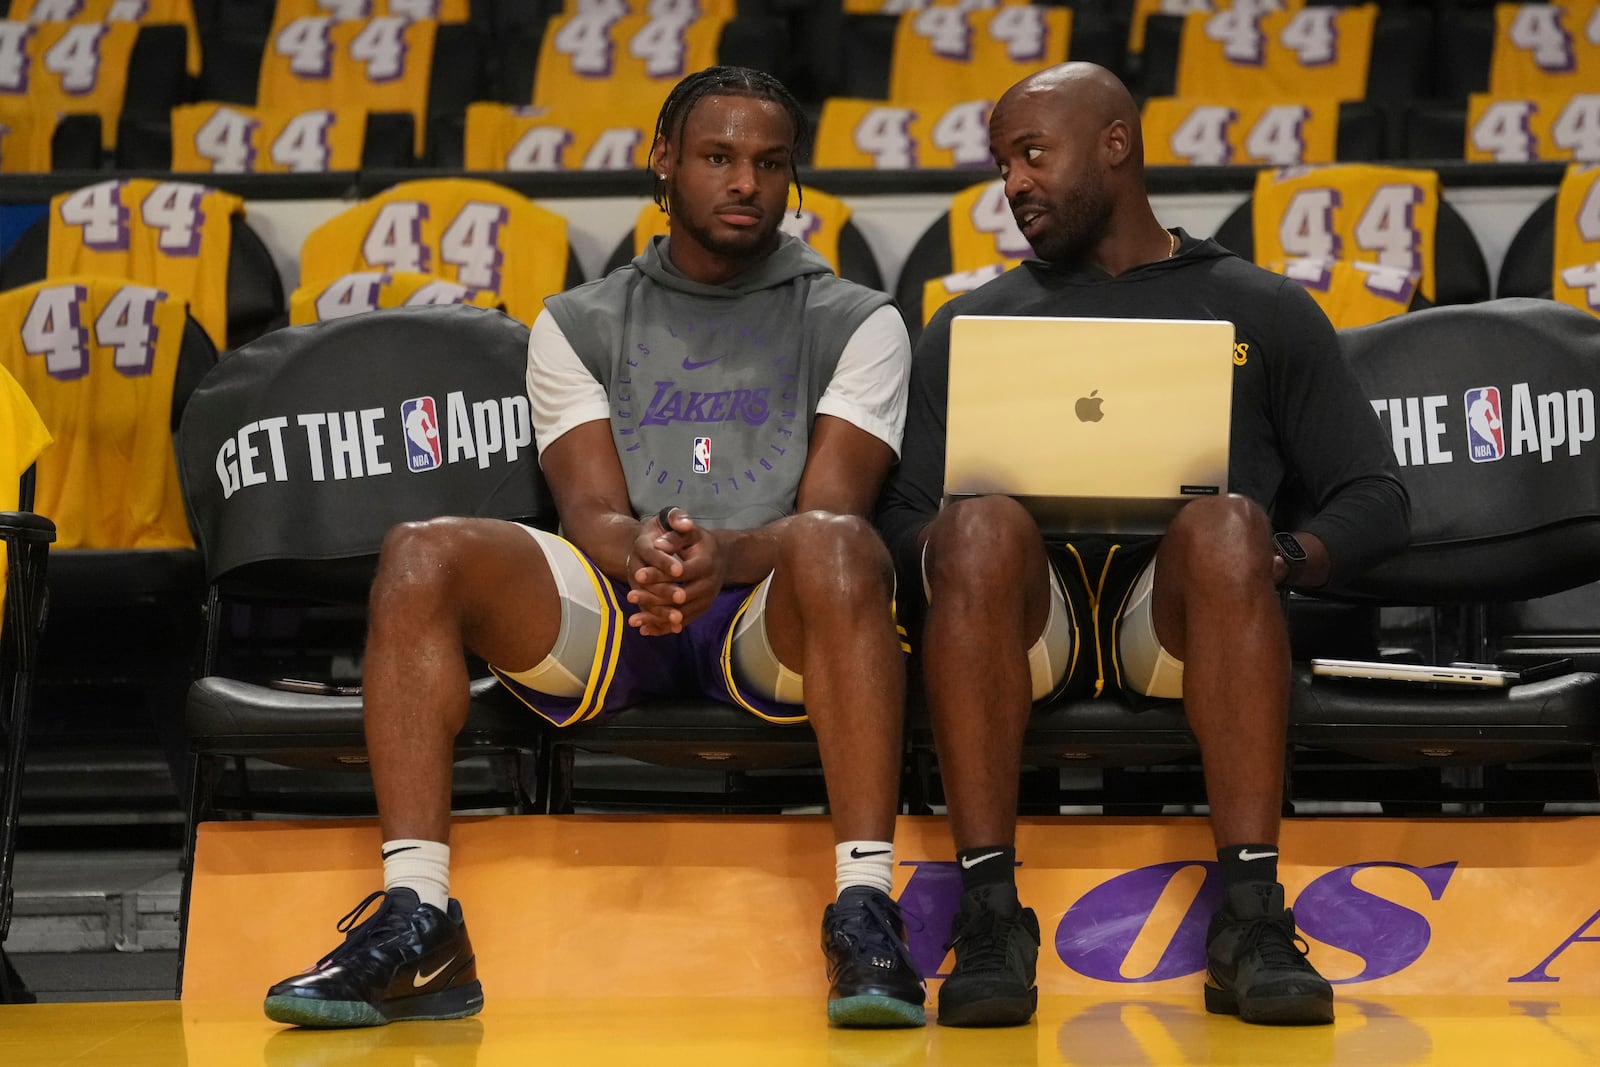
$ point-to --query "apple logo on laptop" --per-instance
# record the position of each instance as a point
(1088, 407)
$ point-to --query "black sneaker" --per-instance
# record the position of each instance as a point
(1256, 966)
(872, 980)
(408, 961)
(997, 954)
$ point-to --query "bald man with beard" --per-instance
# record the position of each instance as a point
(1196, 613)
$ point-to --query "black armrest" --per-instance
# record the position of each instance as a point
(26, 526)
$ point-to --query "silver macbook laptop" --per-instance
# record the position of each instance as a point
(1095, 425)
(1485, 675)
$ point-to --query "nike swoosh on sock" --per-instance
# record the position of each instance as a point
(397, 851)
(969, 862)
(857, 854)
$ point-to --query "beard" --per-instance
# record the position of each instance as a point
(728, 243)
(1075, 224)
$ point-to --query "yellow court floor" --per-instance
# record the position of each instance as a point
(666, 1031)
(657, 941)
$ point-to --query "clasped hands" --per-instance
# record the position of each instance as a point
(674, 571)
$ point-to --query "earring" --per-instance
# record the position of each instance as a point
(661, 177)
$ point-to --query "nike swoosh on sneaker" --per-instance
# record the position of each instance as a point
(419, 979)
(397, 851)
(1246, 855)
(696, 364)
(969, 862)
(857, 854)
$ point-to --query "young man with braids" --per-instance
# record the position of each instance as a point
(715, 421)
(1194, 613)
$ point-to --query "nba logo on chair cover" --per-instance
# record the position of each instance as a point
(1486, 439)
(421, 422)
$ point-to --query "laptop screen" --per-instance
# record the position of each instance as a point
(1096, 425)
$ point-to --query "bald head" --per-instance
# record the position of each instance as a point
(1087, 95)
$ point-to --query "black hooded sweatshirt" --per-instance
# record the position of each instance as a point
(1301, 428)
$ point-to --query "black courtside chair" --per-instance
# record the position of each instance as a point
(148, 593)
(289, 524)
(1496, 521)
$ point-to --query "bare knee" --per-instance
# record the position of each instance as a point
(981, 546)
(419, 566)
(1224, 542)
(840, 556)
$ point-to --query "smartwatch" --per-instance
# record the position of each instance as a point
(1291, 550)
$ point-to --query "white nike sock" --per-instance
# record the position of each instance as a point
(421, 866)
(864, 863)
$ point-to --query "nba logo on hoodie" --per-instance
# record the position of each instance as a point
(702, 455)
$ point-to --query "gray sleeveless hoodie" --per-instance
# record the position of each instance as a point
(713, 387)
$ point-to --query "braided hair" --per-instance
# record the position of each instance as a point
(728, 81)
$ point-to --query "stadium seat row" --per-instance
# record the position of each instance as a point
(293, 460)
(274, 86)
(1368, 241)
